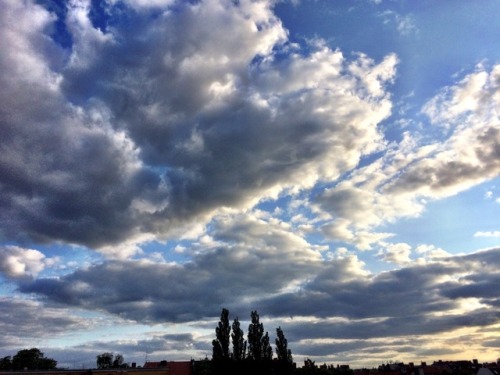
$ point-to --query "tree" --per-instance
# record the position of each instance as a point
(258, 359)
(118, 361)
(284, 354)
(104, 360)
(6, 363)
(309, 367)
(259, 347)
(285, 360)
(221, 343)
(239, 343)
(32, 359)
(255, 334)
(267, 351)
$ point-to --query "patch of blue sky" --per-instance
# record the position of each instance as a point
(98, 15)
(345, 25)
(446, 44)
(69, 258)
(7, 288)
(60, 33)
(277, 206)
(171, 251)
(453, 223)
(433, 40)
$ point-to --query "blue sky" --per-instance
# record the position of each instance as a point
(332, 164)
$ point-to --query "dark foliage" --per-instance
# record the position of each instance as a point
(258, 358)
(310, 368)
(6, 363)
(104, 360)
(239, 342)
(222, 333)
(284, 354)
(32, 359)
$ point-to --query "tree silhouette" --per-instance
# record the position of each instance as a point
(255, 335)
(239, 343)
(6, 363)
(32, 359)
(259, 347)
(118, 361)
(284, 354)
(104, 360)
(222, 332)
(285, 359)
(267, 351)
(258, 359)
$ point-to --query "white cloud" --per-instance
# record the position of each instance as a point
(405, 24)
(410, 173)
(397, 253)
(431, 253)
(17, 262)
(475, 98)
(495, 233)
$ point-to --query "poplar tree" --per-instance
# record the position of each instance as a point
(284, 354)
(259, 347)
(222, 332)
(239, 343)
(255, 335)
(267, 350)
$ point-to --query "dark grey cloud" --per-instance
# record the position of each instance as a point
(355, 312)
(416, 300)
(64, 174)
(23, 320)
(492, 343)
(410, 325)
(393, 294)
(326, 349)
(163, 118)
(480, 286)
(177, 293)
(137, 347)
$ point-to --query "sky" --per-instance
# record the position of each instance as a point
(334, 165)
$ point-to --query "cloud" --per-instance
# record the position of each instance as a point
(471, 154)
(290, 281)
(495, 233)
(430, 253)
(17, 262)
(143, 126)
(332, 309)
(398, 253)
(23, 321)
(247, 257)
(405, 24)
(410, 173)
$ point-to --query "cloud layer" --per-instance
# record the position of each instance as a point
(337, 300)
(135, 131)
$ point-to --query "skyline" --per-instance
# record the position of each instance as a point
(333, 165)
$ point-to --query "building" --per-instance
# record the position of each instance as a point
(171, 367)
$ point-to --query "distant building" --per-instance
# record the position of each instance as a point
(151, 365)
(180, 368)
(172, 367)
